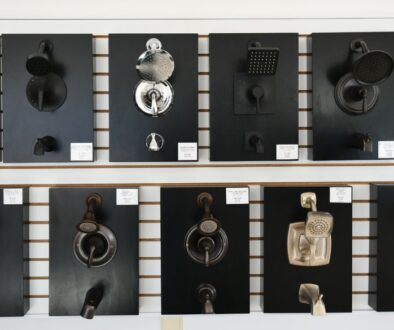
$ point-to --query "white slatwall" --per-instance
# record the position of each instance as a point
(280, 16)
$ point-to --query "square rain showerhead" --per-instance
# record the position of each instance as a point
(262, 60)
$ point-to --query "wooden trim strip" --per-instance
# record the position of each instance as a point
(192, 184)
(155, 295)
(256, 275)
(204, 165)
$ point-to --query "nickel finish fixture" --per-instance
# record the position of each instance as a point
(94, 244)
(206, 242)
(206, 294)
(46, 90)
(310, 294)
(154, 94)
(309, 242)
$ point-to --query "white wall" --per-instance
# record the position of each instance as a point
(203, 17)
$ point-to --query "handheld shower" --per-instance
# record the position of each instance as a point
(309, 242)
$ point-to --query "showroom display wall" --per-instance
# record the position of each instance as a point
(150, 178)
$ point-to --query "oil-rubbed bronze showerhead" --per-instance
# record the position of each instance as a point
(373, 67)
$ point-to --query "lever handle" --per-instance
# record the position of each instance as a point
(92, 249)
(40, 99)
(206, 256)
(154, 104)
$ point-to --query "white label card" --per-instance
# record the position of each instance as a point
(81, 152)
(13, 196)
(187, 151)
(340, 194)
(287, 151)
(386, 149)
(237, 195)
(126, 196)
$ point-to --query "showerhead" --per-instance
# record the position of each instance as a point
(155, 64)
(373, 67)
(318, 224)
(39, 64)
(262, 60)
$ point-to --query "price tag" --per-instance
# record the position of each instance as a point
(287, 151)
(386, 149)
(13, 196)
(340, 194)
(126, 196)
(81, 152)
(237, 195)
(187, 151)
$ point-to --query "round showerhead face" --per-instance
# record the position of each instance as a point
(38, 64)
(156, 66)
(373, 67)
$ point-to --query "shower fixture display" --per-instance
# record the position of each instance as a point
(154, 94)
(94, 252)
(14, 213)
(352, 101)
(309, 242)
(357, 91)
(142, 97)
(43, 145)
(206, 242)
(46, 90)
(203, 235)
(310, 294)
(47, 95)
(381, 285)
(306, 258)
(253, 95)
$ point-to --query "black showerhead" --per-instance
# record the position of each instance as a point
(373, 67)
(262, 60)
(39, 64)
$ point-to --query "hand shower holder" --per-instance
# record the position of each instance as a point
(307, 245)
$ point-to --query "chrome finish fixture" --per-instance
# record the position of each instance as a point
(310, 294)
(206, 242)
(92, 300)
(206, 294)
(94, 244)
(154, 142)
(154, 99)
(155, 64)
(309, 242)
